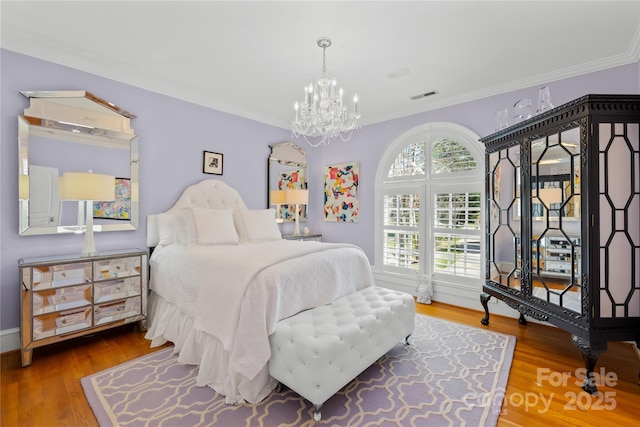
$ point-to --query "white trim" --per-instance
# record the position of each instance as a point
(424, 184)
(450, 293)
(9, 340)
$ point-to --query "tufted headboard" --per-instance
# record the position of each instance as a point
(209, 193)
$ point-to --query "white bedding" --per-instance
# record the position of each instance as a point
(227, 300)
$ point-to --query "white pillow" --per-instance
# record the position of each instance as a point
(210, 226)
(167, 232)
(257, 225)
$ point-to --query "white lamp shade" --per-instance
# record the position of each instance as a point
(88, 186)
(278, 197)
(296, 197)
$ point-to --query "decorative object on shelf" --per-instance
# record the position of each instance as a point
(306, 230)
(544, 100)
(212, 163)
(297, 198)
(561, 190)
(341, 193)
(322, 115)
(277, 198)
(521, 110)
(502, 118)
(120, 208)
(88, 187)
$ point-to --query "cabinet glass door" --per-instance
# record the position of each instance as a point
(503, 199)
(619, 210)
(554, 214)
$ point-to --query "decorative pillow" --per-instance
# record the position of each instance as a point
(210, 226)
(257, 225)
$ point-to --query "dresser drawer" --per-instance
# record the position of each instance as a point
(50, 300)
(111, 290)
(110, 312)
(64, 322)
(116, 267)
(45, 277)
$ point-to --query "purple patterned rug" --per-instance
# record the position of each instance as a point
(450, 375)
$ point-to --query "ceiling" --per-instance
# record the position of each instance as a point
(253, 59)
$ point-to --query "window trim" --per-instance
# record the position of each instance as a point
(423, 184)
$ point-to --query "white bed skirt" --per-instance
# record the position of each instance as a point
(167, 323)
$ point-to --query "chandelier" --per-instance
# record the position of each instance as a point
(322, 116)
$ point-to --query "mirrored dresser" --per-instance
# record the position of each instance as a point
(563, 221)
(67, 296)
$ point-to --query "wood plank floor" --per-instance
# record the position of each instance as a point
(49, 393)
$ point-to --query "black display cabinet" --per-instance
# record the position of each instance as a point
(563, 221)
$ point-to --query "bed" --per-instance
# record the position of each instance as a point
(222, 277)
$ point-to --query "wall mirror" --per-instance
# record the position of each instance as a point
(287, 169)
(74, 131)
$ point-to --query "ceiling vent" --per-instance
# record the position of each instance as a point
(423, 95)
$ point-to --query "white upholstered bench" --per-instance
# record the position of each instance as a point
(318, 351)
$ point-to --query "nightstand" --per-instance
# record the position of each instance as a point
(68, 296)
(303, 237)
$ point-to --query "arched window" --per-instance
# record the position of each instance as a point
(429, 187)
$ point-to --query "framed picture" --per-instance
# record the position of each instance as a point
(120, 208)
(212, 163)
(341, 192)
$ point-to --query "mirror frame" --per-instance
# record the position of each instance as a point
(75, 116)
(286, 154)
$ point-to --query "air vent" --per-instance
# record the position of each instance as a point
(423, 95)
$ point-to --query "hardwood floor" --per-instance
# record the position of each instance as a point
(49, 393)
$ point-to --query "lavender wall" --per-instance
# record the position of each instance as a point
(173, 135)
(369, 143)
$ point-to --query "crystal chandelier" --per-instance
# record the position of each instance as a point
(321, 116)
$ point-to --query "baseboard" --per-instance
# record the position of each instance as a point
(453, 294)
(9, 340)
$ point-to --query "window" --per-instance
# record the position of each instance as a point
(429, 198)
(401, 232)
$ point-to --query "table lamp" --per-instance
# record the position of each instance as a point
(87, 187)
(297, 198)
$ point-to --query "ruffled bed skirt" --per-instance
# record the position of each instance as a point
(168, 323)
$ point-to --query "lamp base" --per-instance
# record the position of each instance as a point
(296, 225)
(89, 246)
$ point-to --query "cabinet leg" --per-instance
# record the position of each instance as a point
(26, 357)
(141, 325)
(590, 353)
(522, 320)
(484, 300)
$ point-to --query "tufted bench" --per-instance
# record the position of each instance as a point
(318, 351)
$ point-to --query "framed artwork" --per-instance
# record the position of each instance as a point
(120, 208)
(212, 163)
(341, 192)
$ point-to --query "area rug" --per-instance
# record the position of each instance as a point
(449, 375)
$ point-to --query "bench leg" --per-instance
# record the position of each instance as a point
(317, 416)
